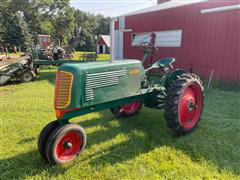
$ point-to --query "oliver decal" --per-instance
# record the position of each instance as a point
(133, 71)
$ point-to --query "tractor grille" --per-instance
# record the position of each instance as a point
(99, 80)
(63, 87)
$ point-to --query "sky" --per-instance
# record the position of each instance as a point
(111, 8)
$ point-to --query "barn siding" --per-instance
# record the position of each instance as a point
(209, 41)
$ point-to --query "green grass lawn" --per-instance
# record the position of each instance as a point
(139, 147)
(77, 56)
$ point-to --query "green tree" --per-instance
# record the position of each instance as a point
(30, 11)
(3, 6)
(47, 27)
(92, 27)
(17, 32)
(44, 16)
(63, 24)
(22, 20)
(102, 25)
(26, 37)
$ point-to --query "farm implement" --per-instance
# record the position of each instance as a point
(25, 68)
(21, 68)
(123, 86)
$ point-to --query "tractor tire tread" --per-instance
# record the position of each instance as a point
(58, 132)
(44, 136)
(171, 103)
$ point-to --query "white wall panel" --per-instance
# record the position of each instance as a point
(172, 38)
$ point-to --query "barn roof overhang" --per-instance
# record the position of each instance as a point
(105, 38)
(167, 5)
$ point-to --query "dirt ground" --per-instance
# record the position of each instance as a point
(6, 62)
(11, 58)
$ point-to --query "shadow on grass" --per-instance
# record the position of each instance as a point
(26, 140)
(27, 165)
(46, 75)
(12, 83)
(145, 133)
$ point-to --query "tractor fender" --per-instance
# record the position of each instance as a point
(172, 76)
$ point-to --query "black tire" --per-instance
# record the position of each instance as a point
(119, 111)
(179, 121)
(27, 76)
(44, 135)
(60, 138)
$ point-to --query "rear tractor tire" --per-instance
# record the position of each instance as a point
(127, 110)
(65, 143)
(184, 104)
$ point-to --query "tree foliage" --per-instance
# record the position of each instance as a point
(22, 20)
(92, 27)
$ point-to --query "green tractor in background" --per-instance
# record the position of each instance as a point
(122, 86)
(45, 49)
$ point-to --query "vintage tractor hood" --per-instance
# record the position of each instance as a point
(99, 82)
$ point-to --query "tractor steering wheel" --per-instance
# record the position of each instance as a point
(148, 48)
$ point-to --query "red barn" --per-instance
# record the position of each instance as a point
(103, 44)
(203, 36)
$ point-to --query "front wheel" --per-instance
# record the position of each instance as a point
(44, 136)
(127, 110)
(65, 143)
(184, 103)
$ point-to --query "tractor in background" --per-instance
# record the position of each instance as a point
(45, 49)
(25, 68)
(123, 86)
(53, 51)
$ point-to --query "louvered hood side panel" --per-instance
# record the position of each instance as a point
(101, 80)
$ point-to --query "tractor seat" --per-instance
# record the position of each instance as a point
(164, 61)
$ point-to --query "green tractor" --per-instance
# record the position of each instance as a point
(122, 86)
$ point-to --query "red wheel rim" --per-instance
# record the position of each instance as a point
(190, 106)
(69, 145)
(131, 107)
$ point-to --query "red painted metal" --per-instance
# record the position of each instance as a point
(209, 41)
(116, 25)
(44, 40)
(190, 106)
(68, 146)
(132, 107)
